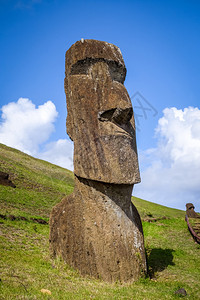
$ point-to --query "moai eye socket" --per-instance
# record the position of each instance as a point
(116, 70)
(81, 67)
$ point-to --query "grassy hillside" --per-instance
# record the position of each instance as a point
(26, 266)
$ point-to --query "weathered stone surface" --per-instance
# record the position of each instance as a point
(100, 117)
(97, 229)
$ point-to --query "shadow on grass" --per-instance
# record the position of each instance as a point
(158, 259)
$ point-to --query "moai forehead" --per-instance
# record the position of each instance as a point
(100, 116)
(93, 49)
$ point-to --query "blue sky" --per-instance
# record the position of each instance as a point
(160, 44)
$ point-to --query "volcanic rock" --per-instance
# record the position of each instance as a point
(97, 229)
(4, 180)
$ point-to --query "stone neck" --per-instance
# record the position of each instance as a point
(118, 193)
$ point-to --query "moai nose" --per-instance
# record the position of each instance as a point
(116, 115)
(122, 115)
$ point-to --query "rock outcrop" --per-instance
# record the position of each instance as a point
(4, 180)
(97, 229)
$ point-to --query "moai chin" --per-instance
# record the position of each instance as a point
(97, 229)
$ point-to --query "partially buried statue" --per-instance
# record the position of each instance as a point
(97, 229)
(190, 211)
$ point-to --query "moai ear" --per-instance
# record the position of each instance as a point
(69, 124)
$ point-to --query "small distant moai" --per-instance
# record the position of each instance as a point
(97, 229)
(190, 211)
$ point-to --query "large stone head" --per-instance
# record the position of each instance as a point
(100, 117)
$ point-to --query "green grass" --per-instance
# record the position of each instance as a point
(156, 210)
(40, 185)
(25, 263)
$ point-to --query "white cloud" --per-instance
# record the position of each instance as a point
(27, 127)
(59, 153)
(171, 171)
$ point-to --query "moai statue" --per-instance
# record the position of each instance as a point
(190, 211)
(97, 229)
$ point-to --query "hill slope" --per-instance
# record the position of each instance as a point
(26, 266)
